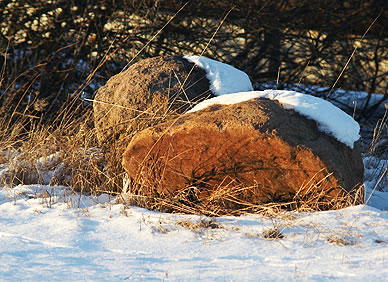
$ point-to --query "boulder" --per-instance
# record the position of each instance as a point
(147, 93)
(250, 152)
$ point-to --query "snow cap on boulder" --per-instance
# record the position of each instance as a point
(224, 79)
(329, 118)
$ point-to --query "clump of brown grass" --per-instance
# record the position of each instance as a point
(347, 239)
(232, 199)
(272, 233)
(62, 154)
(379, 145)
(376, 164)
(198, 226)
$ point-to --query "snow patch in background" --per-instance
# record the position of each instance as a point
(330, 119)
(224, 79)
(376, 182)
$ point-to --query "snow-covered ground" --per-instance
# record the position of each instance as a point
(48, 233)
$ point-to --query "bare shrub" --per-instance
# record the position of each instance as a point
(47, 50)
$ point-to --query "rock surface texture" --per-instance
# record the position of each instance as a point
(254, 151)
(145, 94)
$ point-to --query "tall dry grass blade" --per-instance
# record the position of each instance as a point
(351, 55)
(155, 35)
(376, 185)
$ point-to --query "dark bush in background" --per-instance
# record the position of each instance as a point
(56, 53)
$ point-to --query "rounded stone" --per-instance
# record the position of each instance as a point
(148, 92)
(251, 152)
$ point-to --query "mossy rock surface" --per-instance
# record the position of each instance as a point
(148, 92)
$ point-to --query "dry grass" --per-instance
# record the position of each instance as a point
(379, 145)
(196, 227)
(234, 200)
(377, 156)
(65, 154)
(68, 154)
(347, 239)
(272, 233)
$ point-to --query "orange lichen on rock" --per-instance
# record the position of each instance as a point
(269, 153)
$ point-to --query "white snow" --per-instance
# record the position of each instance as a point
(79, 238)
(224, 79)
(48, 233)
(376, 182)
(330, 119)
